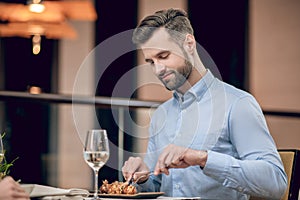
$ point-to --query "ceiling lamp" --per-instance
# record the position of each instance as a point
(44, 18)
(36, 6)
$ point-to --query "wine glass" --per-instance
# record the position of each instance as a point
(1, 149)
(96, 152)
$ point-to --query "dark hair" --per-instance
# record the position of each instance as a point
(175, 21)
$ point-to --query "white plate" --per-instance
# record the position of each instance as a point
(141, 195)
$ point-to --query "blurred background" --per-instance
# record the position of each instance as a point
(254, 44)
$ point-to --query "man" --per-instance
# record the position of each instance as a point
(11, 190)
(211, 139)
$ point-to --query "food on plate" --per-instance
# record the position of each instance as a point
(117, 187)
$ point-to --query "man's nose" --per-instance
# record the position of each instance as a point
(159, 68)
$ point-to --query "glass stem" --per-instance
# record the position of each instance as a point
(96, 183)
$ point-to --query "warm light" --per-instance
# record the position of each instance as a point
(36, 44)
(36, 39)
(36, 48)
(35, 90)
(36, 6)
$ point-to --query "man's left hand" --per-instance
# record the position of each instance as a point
(179, 157)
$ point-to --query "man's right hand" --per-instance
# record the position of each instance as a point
(134, 168)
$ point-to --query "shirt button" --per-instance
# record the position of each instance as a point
(240, 189)
(177, 186)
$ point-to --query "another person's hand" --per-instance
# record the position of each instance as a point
(134, 168)
(179, 157)
(11, 190)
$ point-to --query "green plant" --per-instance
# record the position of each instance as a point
(4, 165)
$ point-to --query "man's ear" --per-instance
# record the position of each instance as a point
(189, 43)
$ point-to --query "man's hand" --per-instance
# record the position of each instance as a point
(134, 168)
(179, 157)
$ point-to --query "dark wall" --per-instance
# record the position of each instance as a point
(221, 27)
(27, 124)
(114, 17)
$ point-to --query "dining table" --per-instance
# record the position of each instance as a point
(114, 198)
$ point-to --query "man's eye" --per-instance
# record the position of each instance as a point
(163, 56)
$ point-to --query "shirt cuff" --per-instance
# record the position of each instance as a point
(217, 165)
(143, 187)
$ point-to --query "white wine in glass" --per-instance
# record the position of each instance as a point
(96, 152)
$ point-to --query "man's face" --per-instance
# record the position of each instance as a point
(168, 60)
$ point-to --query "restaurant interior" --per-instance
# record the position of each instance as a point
(66, 71)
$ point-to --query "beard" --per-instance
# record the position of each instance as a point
(180, 76)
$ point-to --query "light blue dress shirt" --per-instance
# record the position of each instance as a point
(229, 124)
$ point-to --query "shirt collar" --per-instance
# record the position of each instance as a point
(198, 90)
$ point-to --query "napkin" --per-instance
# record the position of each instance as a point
(64, 198)
(35, 190)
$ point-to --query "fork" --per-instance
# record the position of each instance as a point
(131, 181)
